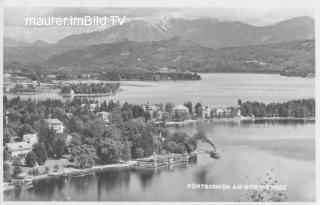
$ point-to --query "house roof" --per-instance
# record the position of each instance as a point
(18, 145)
(180, 107)
(29, 136)
(53, 121)
(69, 138)
(103, 112)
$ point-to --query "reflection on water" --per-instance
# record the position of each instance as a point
(246, 149)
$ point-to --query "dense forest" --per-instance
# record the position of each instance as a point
(93, 88)
(295, 108)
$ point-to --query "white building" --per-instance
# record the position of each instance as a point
(56, 125)
(104, 116)
(85, 75)
(207, 111)
(52, 76)
(152, 109)
(238, 112)
(30, 138)
(93, 107)
(19, 148)
(220, 112)
(181, 108)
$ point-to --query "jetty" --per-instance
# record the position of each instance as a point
(159, 160)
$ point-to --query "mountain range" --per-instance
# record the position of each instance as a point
(201, 45)
(207, 32)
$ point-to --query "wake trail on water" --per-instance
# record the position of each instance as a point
(201, 136)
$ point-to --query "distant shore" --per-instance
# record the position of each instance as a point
(189, 122)
(87, 95)
(23, 93)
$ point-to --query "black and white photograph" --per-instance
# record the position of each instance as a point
(131, 101)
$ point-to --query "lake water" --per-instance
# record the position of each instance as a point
(248, 149)
(216, 89)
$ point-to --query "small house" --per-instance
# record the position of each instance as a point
(56, 125)
(30, 138)
(104, 115)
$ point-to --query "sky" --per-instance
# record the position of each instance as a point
(14, 18)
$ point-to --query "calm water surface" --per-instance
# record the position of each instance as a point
(248, 149)
(215, 89)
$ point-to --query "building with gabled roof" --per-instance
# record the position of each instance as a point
(17, 149)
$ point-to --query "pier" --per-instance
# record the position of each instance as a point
(158, 160)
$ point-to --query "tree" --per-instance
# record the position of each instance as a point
(48, 137)
(165, 117)
(110, 151)
(6, 172)
(60, 146)
(126, 112)
(16, 167)
(115, 118)
(139, 153)
(126, 151)
(147, 116)
(40, 152)
(6, 154)
(189, 106)
(180, 115)
(171, 147)
(94, 128)
(86, 161)
(84, 155)
(137, 111)
(76, 124)
(198, 110)
(147, 142)
(7, 134)
(27, 129)
(169, 107)
(31, 159)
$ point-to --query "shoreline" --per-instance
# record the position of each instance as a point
(70, 171)
(86, 95)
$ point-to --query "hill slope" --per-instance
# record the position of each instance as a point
(207, 32)
(290, 58)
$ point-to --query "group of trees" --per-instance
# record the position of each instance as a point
(125, 138)
(295, 108)
(18, 88)
(93, 88)
(37, 155)
(129, 134)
